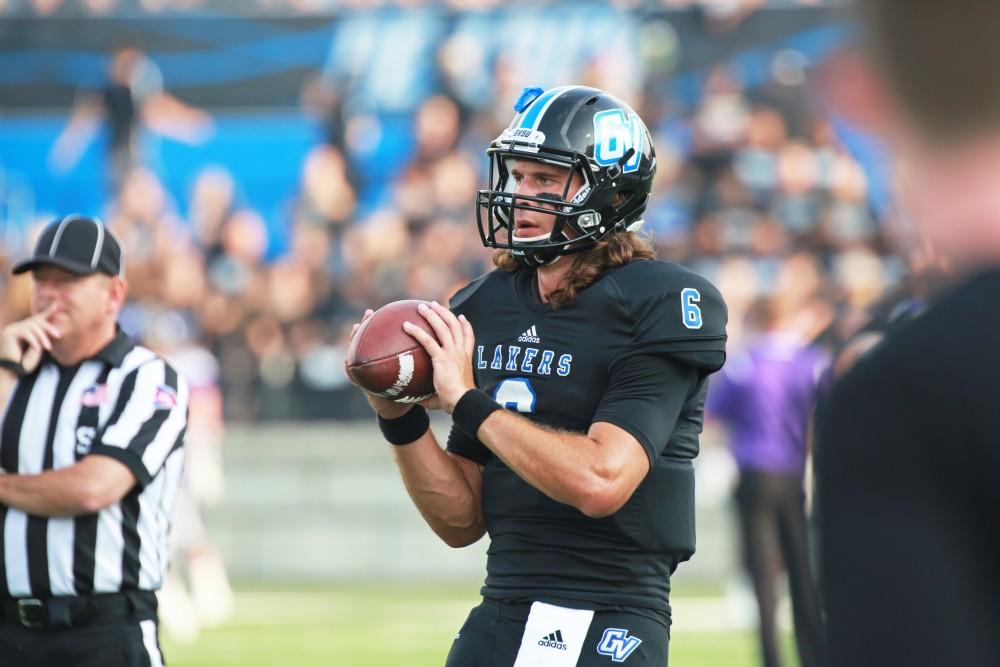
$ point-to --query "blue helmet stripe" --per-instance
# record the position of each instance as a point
(533, 116)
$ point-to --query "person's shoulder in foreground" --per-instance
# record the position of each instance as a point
(910, 470)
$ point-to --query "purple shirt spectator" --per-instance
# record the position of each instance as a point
(764, 395)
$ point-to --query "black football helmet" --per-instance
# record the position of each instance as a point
(585, 130)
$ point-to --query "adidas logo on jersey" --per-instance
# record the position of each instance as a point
(529, 336)
(554, 640)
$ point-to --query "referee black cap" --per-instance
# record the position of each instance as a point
(78, 244)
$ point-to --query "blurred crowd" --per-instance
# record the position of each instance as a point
(728, 9)
(754, 189)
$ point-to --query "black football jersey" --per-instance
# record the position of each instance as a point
(634, 349)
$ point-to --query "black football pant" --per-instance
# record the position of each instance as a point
(773, 526)
(113, 644)
(491, 637)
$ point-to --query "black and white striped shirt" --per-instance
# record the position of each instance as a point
(126, 403)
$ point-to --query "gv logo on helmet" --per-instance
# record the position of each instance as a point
(614, 134)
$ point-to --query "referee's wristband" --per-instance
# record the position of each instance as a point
(14, 366)
(406, 429)
(472, 410)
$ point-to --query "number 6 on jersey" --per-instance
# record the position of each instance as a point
(690, 312)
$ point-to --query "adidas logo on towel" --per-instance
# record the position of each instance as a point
(529, 336)
(555, 639)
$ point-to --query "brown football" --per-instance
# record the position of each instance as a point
(387, 361)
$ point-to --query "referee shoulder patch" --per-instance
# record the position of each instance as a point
(165, 398)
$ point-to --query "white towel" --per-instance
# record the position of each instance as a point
(553, 636)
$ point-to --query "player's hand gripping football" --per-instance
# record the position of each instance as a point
(384, 407)
(451, 354)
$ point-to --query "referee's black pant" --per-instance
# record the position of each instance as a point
(122, 632)
(773, 526)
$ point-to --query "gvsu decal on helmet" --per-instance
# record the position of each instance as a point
(522, 138)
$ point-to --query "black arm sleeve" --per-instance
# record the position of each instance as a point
(464, 445)
(645, 396)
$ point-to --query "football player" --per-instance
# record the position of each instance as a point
(575, 375)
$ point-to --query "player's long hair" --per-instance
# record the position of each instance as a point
(610, 253)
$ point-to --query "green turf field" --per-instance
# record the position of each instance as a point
(356, 626)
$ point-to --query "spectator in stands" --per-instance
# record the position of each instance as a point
(133, 98)
(764, 396)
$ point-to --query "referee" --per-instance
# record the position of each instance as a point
(91, 443)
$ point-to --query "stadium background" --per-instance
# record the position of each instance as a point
(308, 159)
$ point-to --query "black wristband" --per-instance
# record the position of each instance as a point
(14, 366)
(472, 410)
(406, 429)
